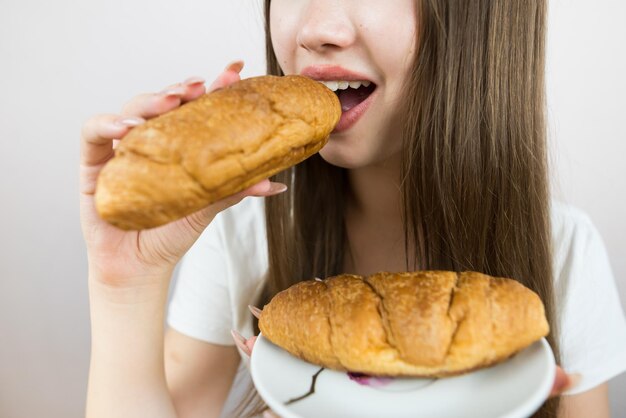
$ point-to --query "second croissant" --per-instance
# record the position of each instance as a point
(426, 323)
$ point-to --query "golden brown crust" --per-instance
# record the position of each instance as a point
(213, 147)
(427, 323)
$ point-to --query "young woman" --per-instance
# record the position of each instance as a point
(442, 166)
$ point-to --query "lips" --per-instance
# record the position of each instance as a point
(354, 101)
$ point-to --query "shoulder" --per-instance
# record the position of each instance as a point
(569, 222)
(220, 274)
(575, 240)
(580, 260)
(592, 323)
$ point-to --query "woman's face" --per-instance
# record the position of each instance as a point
(351, 40)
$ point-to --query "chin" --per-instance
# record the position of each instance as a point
(345, 154)
(342, 155)
(341, 162)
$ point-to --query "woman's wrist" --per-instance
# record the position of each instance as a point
(127, 336)
(128, 288)
(128, 313)
(127, 327)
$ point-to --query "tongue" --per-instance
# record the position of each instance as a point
(350, 97)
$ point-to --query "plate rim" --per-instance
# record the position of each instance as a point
(523, 410)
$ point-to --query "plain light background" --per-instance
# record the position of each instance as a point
(62, 61)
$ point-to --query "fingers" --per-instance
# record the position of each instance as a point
(255, 311)
(153, 104)
(98, 133)
(563, 382)
(269, 414)
(150, 105)
(194, 224)
(263, 188)
(199, 220)
(229, 76)
(244, 344)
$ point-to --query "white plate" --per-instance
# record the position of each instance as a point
(515, 388)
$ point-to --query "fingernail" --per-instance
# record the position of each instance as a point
(173, 91)
(235, 66)
(238, 337)
(276, 188)
(129, 122)
(240, 341)
(194, 80)
(255, 311)
(268, 414)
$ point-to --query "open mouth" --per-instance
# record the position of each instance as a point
(351, 93)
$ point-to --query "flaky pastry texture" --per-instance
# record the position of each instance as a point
(425, 323)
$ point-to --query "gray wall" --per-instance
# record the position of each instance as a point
(62, 61)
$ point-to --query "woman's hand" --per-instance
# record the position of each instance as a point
(562, 380)
(246, 345)
(129, 258)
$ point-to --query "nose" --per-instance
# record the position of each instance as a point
(326, 25)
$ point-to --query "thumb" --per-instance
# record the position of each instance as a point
(563, 382)
(263, 188)
(198, 221)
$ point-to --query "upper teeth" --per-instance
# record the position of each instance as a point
(342, 85)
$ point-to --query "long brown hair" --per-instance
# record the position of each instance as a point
(474, 166)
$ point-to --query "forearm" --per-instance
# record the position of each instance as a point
(126, 377)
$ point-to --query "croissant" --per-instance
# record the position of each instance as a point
(425, 323)
(213, 147)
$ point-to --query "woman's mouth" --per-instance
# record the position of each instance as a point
(355, 98)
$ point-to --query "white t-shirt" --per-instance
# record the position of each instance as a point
(222, 274)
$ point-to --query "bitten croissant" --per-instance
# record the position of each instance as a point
(426, 323)
(213, 147)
